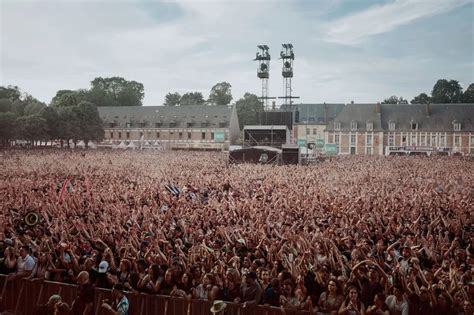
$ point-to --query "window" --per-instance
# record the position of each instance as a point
(128, 135)
(141, 134)
(203, 135)
(391, 140)
(353, 125)
(172, 124)
(442, 140)
(472, 140)
(433, 140)
(404, 140)
(369, 140)
(189, 135)
(391, 126)
(127, 125)
(315, 131)
(457, 126)
(457, 141)
(368, 151)
(308, 131)
(158, 125)
(422, 140)
(120, 135)
(414, 126)
(353, 139)
(181, 135)
(157, 135)
(336, 139)
(370, 126)
(413, 139)
(337, 126)
(111, 135)
(212, 135)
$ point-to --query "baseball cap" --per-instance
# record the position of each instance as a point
(251, 275)
(103, 266)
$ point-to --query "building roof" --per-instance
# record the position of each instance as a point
(185, 116)
(361, 114)
(315, 113)
(432, 117)
(440, 118)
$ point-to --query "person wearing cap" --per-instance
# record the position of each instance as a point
(120, 304)
(84, 302)
(250, 290)
(218, 307)
(103, 280)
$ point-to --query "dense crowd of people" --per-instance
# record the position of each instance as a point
(354, 235)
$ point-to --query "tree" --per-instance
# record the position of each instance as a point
(10, 92)
(116, 91)
(395, 100)
(33, 108)
(192, 98)
(468, 95)
(6, 105)
(446, 92)
(220, 94)
(7, 127)
(52, 122)
(64, 98)
(172, 99)
(32, 128)
(247, 109)
(423, 98)
(68, 124)
(90, 124)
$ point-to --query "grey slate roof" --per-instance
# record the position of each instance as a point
(186, 116)
(441, 118)
(358, 113)
(315, 113)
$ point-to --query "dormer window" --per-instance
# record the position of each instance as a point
(413, 125)
(353, 125)
(370, 126)
(337, 125)
(391, 126)
(457, 126)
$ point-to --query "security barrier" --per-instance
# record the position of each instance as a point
(21, 297)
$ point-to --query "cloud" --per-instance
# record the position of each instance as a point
(379, 19)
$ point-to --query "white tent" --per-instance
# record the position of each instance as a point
(81, 144)
(92, 145)
(131, 145)
(122, 145)
(147, 143)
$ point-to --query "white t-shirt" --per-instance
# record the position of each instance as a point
(395, 307)
(26, 264)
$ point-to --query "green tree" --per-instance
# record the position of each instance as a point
(33, 108)
(32, 128)
(7, 127)
(192, 98)
(116, 91)
(52, 122)
(220, 94)
(6, 105)
(172, 99)
(90, 124)
(468, 95)
(423, 98)
(395, 100)
(10, 92)
(247, 109)
(446, 92)
(68, 124)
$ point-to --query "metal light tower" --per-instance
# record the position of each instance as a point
(263, 72)
(287, 56)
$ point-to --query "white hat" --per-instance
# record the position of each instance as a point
(218, 306)
(103, 266)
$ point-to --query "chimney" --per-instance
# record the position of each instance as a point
(428, 109)
(326, 112)
(352, 102)
(377, 108)
(273, 105)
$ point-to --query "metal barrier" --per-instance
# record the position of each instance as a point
(21, 297)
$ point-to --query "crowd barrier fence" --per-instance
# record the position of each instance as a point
(21, 297)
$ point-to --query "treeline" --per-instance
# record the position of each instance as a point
(220, 94)
(443, 92)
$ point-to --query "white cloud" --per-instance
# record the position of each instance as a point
(379, 19)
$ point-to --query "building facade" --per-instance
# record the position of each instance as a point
(174, 127)
(383, 129)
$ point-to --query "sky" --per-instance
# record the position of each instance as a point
(345, 50)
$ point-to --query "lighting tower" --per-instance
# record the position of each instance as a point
(287, 56)
(263, 72)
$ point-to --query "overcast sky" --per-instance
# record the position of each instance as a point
(361, 50)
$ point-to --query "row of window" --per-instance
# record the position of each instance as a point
(170, 125)
(391, 126)
(353, 139)
(158, 135)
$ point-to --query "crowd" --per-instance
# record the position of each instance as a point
(355, 235)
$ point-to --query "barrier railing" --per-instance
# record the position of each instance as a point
(21, 297)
